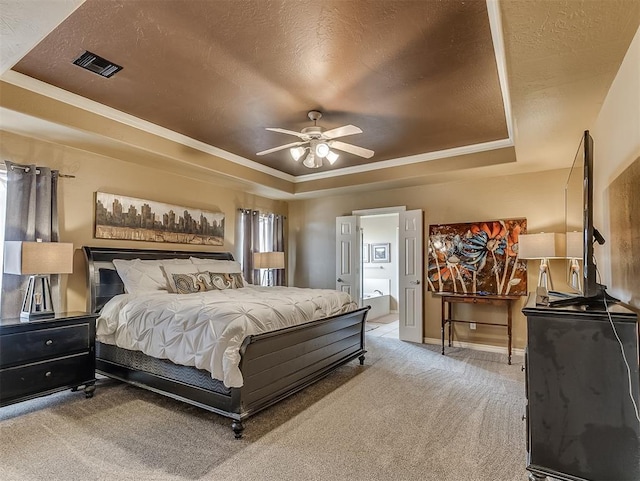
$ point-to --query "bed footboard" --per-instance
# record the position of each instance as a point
(277, 364)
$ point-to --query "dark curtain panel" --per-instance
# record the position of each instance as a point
(277, 235)
(31, 214)
(249, 233)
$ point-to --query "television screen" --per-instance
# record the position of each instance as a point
(574, 218)
(579, 226)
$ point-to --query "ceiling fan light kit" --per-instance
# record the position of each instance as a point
(297, 152)
(319, 143)
(332, 157)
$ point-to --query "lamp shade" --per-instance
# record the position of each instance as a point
(268, 260)
(22, 257)
(575, 245)
(545, 245)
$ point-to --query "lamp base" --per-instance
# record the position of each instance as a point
(37, 303)
(544, 275)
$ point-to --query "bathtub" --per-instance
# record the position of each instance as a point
(380, 304)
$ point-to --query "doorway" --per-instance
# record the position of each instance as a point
(379, 287)
(349, 264)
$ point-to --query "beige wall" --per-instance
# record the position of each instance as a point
(105, 174)
(616, 158)
(539, 197)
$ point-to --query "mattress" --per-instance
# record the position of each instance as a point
(206, 330)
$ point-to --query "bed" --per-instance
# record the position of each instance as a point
(273, 365)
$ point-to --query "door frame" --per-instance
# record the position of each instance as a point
(388, 210)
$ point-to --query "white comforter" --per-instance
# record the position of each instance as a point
(206, 329)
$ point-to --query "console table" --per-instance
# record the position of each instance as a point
(447, 317)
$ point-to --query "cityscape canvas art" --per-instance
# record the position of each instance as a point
(477, 258)
(128, 218)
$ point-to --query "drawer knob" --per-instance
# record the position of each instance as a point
(47, 374)
(49, 342)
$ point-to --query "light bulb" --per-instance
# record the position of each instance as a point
(332, 157)
(297, 152)
(310, 161)
(322, 149)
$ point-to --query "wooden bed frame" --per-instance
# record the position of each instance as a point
(274, 365)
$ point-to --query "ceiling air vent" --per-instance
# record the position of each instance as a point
(97, 64)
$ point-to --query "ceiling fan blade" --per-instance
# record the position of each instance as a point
(285, 131)
(352, 149)
(282, 147)
(341, 132)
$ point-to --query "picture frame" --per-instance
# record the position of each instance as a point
(366, 253)
(477, 257)
(119, 217)
(380, 252)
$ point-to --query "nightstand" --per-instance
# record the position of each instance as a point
(40, 357)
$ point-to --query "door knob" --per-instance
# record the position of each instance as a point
(339, 279)
(415, 283)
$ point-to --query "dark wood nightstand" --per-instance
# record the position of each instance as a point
(42, 356)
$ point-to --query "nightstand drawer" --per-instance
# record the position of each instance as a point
(43, 343)
(39, 377)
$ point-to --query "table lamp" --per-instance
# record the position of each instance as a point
(543, 246)
(268, 261)
(37, 259)
(575, 252)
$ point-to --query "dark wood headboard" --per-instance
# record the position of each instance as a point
(103, 281)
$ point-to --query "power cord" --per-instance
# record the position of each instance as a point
(624, 357)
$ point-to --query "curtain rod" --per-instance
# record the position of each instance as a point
(27, 169)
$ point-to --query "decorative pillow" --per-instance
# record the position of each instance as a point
(190, 283)
(169, 270)
(221, 280)
(144, 275)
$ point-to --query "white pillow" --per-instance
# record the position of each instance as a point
(144, 275)
(214, 265)
(169, 270)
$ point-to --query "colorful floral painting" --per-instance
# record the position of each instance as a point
(479, 257)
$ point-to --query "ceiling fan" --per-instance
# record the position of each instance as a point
(319, 143)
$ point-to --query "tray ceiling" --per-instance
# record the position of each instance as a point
(417, 77)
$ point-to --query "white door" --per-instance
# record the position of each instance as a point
(410, 286)
(348, 255)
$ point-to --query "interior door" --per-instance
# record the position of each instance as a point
(410, 276)
(348, 255)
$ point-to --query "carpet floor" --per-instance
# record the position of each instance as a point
(408, 414)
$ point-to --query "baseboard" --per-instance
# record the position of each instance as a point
(478, 347)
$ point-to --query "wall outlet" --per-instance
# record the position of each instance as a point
(472, 325)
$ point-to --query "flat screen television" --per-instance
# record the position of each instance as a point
(579, 225)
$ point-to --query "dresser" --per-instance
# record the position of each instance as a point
(40, 357)
(580, 413)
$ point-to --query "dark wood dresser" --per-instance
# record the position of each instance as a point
(40, 357)
(581, 418)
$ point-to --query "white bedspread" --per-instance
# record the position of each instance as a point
(206, 329)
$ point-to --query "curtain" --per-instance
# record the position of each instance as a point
(249, 242)
(260, 233)
(31, 214)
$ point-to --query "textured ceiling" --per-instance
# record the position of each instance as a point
(416, 76)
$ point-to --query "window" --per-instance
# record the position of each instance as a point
(265, 233)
